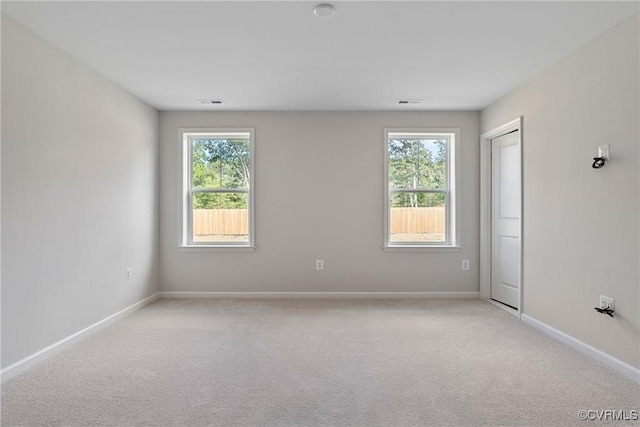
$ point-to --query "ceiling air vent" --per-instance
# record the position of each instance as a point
(209, 101)
(409, 101)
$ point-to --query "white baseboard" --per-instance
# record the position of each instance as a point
(26, 363)
(606, 359)
(319, 295)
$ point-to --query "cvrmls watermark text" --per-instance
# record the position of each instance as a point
(608, 415)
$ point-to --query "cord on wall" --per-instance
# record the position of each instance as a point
(607, 311)
(598, 162)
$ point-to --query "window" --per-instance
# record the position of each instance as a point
(217, 199)
(420, 207)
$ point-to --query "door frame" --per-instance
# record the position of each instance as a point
(485, 209)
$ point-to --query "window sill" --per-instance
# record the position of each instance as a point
(216, 248)
(417, 248)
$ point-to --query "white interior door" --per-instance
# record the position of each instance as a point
(505, 219)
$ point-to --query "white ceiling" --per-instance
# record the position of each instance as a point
(279, 56)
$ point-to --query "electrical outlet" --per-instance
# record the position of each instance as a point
(319, 264)
(606, 303)
(465, 264)
(127, 273)
(603, 151)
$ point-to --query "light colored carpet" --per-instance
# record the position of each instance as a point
(316, 362)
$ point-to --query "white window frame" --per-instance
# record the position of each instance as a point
(452, 197)
(185, 238)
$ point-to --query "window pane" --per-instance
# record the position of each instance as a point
(417, 217)
(417, 163)
(221, 163)
(221, 217)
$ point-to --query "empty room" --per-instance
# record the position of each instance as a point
(297, 213)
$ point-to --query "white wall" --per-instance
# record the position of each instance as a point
(79, 195)
(581, 226)
(0, 190)
(319, 194)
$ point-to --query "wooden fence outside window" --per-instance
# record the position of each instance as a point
(236, 221)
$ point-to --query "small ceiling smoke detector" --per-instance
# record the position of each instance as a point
(409, 101)
(209, 101)
(324, 10)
